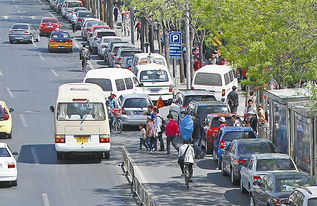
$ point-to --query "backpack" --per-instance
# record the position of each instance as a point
(163, 126)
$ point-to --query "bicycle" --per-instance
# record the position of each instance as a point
(187, 174)
(117, 121)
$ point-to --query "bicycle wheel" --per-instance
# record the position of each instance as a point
(118, 126)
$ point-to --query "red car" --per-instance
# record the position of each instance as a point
(48, 25)
(213, 127)
(95, 27)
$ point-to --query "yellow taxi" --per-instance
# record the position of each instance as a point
(60, 41)
(5, 120)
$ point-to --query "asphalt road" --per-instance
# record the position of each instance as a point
(29, 78)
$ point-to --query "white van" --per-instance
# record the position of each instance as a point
(157, 81)
(81, 120)
(146, 58)
(68, 5)
(216, 78)
(113, 80)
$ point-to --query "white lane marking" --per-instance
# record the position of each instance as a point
(18, 11)
(51, 14)
(34, 45)
(45, 199)
(1, 74)
(42, 58)
(5, 17)
(54, 72)
(35, 158)
(40, 1)
(10, 93)
(23, 120)
(76, 45)
(90, 65)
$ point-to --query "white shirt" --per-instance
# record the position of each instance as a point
(190, 154)
(157, 123)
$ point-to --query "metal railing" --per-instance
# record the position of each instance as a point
(137, 188)
(264, 131)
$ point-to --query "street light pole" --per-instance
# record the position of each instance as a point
(188, 49)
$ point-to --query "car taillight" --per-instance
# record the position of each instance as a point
(170, 88)
(104, 139)
(129, 67)
(11, 165)
(119, 58)
(223, 93)
(278, 202)
(79, 19)
(69, 40)
(222, 144)
(26, 32)
(242, 162)
(256, 177)
(6, 114)
(52, 40)
(59, 138)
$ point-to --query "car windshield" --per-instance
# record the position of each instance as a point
(274, 164)
(216, 123)
(147, 60)
(73, 4)
(128, 53)
(59, 35)
(232, 135)
(289, 183)
(312, 202)
(105, 33)
(190, 98)
(85, 14)
(136, 103)
(105, 84)
(80, 9)
(92, 23)
(4, 152)
(109, 40)
(49, 20)
(255, 147)
(154, 76)
(209, 109)
(208, 79)
(20, 26)
(81, 111)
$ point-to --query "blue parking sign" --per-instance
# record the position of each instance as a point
(175, 45)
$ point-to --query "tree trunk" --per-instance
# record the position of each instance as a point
(201, 47)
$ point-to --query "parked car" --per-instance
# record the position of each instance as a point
(58, 6)
(87, 26)
(182, 98)
(276, 187)
(146, 58)
(304, 196)
(23, 32)
(60, 41)
(213, 126)
(262, 164)
(8, 169)
(5, 120)
(69, 15)
(114, 52)
(48, 25)
(133, 107)
(92, 29)
(81, 16)
(238, 154)
(124, 56)
(68, 5)
(104, 43)
(226, 135)
(94, 39)
(109, 49)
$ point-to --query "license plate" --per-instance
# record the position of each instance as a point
(61, 47)
(137, 113)
(82, 139)
(156, 90)
(49, 26)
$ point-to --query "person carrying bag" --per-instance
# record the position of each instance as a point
(186, 154)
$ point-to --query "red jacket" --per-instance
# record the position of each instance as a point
(172, 128)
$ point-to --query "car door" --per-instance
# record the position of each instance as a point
(229, 151)
(245, 173)
(259, 192)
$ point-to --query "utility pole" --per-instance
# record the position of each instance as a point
(132, 25)
(188, 49)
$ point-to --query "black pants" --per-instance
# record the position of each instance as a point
(190, 167)
(142, 142)
(160, 138)
(74, 27)
(233, 108)
(169, 140)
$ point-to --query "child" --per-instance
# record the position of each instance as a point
(143, 136)
(150, 132)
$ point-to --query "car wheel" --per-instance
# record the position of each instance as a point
(242, 189)
(11, 41)
(223, 172)
(251, 201)
(233, 179)
(14, 183)
(107, 155)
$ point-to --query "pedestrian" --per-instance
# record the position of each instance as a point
(249, 110)
(143, 136)
(198, 134)
(252, 96)
(149, 111)
(138, 30)
(73, 20)
(115, 13)
(261, 114)
(172, 130)
(236, 121)
(150, 133)
(186, 154)
(158, 125)
(223, 122)
(233, 100)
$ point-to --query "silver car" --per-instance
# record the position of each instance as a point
(23, 32)
(133, 107)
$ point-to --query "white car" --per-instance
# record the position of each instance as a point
(261, 164)
(96, 36)
(8, 165)
(88, 22)
(305, 196)
(104, 42)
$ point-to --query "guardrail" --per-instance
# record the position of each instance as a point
(137, 188)
(264, 131)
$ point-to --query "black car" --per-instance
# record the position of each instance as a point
(182, 99)
(238, 153)
(277, 186)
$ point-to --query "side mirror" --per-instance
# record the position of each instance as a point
(15, 153)
(52, 108)
(11, 110)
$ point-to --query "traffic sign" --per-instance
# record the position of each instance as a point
(175, 45)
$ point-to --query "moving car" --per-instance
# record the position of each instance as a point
(213, 126)
(238, 154)
(23, 32)
(48, 25)
(305, 196)
(133, 107)
(5, 120)
(276, 187)
(262, 164)
(104, 43)
(226, 135)
(60, 41)
(8, 165)
(182, 98)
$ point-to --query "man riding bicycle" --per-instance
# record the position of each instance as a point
(84, 55)
(188, 152)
